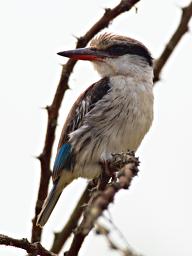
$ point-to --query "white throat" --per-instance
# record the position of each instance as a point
(132, 66)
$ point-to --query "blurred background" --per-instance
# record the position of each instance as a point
(155, 213)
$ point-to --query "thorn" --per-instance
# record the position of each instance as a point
(107, 10)
(81, 41)
(36, 157)
(39, 157)
(47, 108)
(136, 9)
(76, 37)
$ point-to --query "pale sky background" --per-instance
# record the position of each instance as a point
(155, 214)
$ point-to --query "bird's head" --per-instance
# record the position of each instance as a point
(114, 55)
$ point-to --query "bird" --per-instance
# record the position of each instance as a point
(111, 116)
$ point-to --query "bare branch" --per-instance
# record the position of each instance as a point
(53, 109)
(33, 248)
(128, 165)
(176, 37)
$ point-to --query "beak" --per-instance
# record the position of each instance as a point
(90, 54)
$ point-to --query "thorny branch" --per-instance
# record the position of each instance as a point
(53, 109)
(128, 165)
(33, 248)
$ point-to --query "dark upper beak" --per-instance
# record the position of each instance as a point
(85, 54)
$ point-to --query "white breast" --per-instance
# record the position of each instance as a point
(117, 123)
(131, 115)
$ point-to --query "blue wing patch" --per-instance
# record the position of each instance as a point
(62, 159)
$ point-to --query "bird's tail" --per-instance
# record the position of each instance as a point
(48, 205)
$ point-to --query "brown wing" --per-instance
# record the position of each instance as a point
(81, 107)
(85, 102)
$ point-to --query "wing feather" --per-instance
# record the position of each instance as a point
(81, 107)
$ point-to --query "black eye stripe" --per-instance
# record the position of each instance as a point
(119, 50)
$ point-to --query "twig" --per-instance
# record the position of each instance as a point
(179, 32)
(33, 248)
(53, 109)
(128, 165)
(101, 230)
